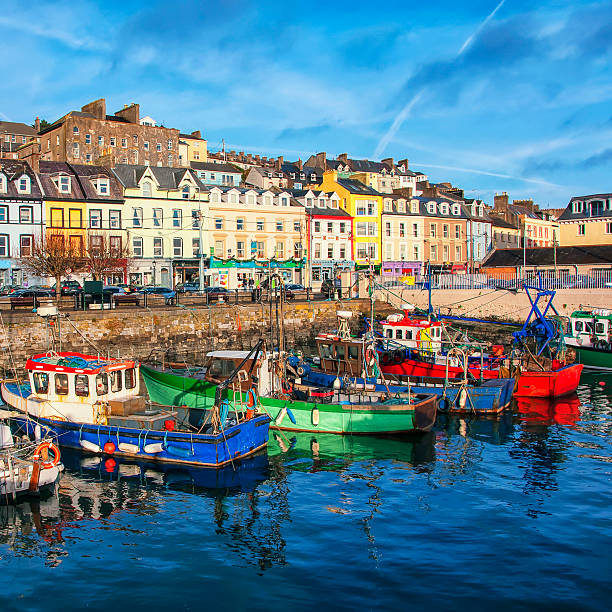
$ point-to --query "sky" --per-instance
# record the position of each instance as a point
(490, 95)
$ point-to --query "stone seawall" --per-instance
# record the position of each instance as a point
(492, 304)
(139, 332)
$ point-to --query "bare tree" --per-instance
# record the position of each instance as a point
(106, 254)
(55, 255)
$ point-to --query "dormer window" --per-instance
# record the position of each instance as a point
(23, 184)
(146, 189)
(250, 199)
(334, 203)
(233, 198)
(388, 205)
(577, 206)
(313, 178)
(414, 206)
(321, 202)
(431, 208)
(302, 176)
(185, 192)
(102, 186)
(309, 202)
(214, 196)
(63, 184)
(401, 206)
(456, 210)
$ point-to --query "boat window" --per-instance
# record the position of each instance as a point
(130, 378)
(221, 368)
(577, 326)
(399, 334)
(41, 382)
(588, 327)
(408, 334)
(61, 384)
(115, 381)
(325, 351)
(102, 384)
(600, 327)
(81, 385)
(353, 352)
(340, 351)
(389, 333)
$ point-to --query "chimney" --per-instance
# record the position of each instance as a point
(500, 201)
(388, 162)
(321, 160)
(37, 124)
(97, 108)
(403, 162)
(343, 157)
(131, 113)
(279, 162)
(196, 134)
(299, 163)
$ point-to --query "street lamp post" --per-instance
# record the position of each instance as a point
(154, 274)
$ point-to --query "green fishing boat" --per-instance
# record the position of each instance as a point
(590, 335)
(322, 410)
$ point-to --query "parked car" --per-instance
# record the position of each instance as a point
(216, 293)
(187, 287)
(164, 292)
(8, 289)
(295, 287)
(113, 289)
(69, 287)
(128, 288)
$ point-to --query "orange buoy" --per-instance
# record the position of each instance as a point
(109, 447)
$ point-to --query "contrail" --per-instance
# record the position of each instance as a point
(403, 114)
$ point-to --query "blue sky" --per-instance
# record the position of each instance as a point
(492, 96)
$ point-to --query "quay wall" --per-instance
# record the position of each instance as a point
(496, 304)
(178, 332)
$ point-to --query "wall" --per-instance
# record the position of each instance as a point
(594, 232)
(132, 332)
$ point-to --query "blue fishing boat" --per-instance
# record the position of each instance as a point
(92, 404)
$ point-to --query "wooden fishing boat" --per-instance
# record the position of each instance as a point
(360, 412)
(92, 404)
(589, 333)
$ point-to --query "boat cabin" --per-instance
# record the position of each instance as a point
(412, 332)
(591, 326)
(340, 355)
(81, 379)
(220, 365)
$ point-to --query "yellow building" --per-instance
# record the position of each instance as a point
(538, 232)
(192, 147)
(587, 220)
(365, 205)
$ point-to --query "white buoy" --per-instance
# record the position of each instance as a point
(151, 449)
(462, 398)
(337, 384)
(281, 416)
(37, 433)
(90, 446)
(315, 416)
(126, 447)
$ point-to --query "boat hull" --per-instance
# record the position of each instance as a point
(288, 414)
(415, 367)
(554, 383)
(592, 358)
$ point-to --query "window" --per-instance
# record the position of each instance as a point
(297, 226)
(169, 144)
(284, 201)
(81, 385)
(102, 186)
(177, 217)
(145, 144)
(317, 251)
(280, 250)
(146, 189)
(432, 230)
(218, 223)
(159, 147)
(41, 382)
(416, 252)
(170, 159)
(75, 218)
(240, 249)
(3, 214)
(434, 252)
(402, 230)
(87, 138)
(23, 185)
(261, 250)
(64, 184)
(95, 219)
(57, 217)
(114, 217)
(100, 141)
(137, 246)
(250, 199)
(102, 384)
(445, 231)
(116, 381)
(387, 228)
(177, 247)
(75, 131)
(195, 247)
(415, 230)
(445, 251)
(279, 225)
(581, 229)
(25, 245)
(124, 143)
(88, 158)
(158, 217)
(317, 226)
(366, 208)
(361, 229)
(158, 247)
(137, 217)
(130, 378)
(608, 228)
(4, 245)
(297, 250)
(25, 214)
(342, 251)
(185, 192)
(342, 227)
(195, 219)
(240, 224)
(457, 231)
(458, 253)
(61, 384)
(113, 141)
(330, 227)
(2, 183)
(260, 225)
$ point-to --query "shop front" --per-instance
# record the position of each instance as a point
(235, 273)
(399, 270)
(323, 269)
(149, 272)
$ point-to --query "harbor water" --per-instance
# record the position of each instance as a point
(506, 513)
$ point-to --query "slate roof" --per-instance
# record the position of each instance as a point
(501, 222)
(354, 186)
(568, 215)
(80, 185)
(12, 127)
(545, 256)
(212, 167)
(13, 169)
(168, 178)
(366, 165)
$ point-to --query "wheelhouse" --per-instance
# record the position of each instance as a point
(594, 324)
(412, 332)
(340, 355)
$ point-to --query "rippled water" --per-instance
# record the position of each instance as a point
(507, 513)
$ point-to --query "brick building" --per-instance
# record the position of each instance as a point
(90, 136)
(14, 135)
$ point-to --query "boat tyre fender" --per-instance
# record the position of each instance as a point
(251, 399)
(386, 358)
(444, 404)
(47, 446)
(398, 356)
(301, 370)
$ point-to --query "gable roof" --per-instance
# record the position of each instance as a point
(13, 169)
(12, 127)
(212, 167)
(166, 177)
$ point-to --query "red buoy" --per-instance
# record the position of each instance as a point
(602, 383)
(169, 425)
(109, 448)
(109, 465)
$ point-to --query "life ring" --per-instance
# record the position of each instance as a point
(370, 357)
(251, 399)
(398, 356)
(386, 358)
(286, 387)
(48, 446)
